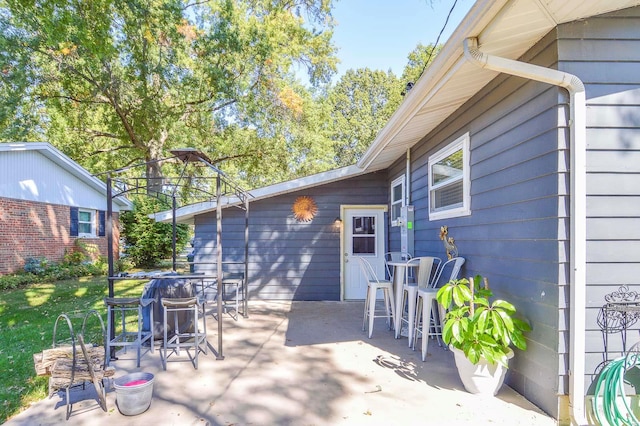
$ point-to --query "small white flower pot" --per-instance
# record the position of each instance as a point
(482, 378)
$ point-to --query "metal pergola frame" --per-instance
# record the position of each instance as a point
(224, 187)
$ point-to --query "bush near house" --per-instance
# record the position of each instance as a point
(38, 270)
(148, 242)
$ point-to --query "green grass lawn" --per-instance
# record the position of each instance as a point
(27, 318)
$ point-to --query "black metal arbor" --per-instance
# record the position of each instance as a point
(212, 185)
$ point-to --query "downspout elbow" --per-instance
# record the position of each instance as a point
(521, 69)
(472, 54)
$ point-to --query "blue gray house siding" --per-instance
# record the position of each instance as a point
(605, 53)
(289, 260)
(516, 234)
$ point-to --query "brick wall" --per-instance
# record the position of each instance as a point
(31, 229)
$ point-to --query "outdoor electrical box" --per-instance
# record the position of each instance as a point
(406, 229)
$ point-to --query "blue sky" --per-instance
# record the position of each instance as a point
(379, 34)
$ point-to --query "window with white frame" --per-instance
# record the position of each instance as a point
(397, 199)
(449, 181)
(86, 223)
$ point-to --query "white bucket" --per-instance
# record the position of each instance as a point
(133, 393)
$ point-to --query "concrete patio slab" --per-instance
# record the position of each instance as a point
(300, 363)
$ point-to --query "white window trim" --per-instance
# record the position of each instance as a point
(465, 210)
(93, 223)
(400, 180)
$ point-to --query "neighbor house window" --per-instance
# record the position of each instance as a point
(87, 222)
(397, 199)
(449, 181)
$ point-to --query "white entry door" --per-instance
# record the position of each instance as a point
(363, 232)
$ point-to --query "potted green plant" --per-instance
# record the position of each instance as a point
(480, 333)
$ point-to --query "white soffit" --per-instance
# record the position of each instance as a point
(503, 28)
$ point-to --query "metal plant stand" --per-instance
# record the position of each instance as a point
(620, 312)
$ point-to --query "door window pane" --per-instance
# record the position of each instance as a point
(364, 235)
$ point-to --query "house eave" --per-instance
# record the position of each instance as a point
(187, 214)
(59, 158)
(506, 28)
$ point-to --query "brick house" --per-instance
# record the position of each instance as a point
(49, 206)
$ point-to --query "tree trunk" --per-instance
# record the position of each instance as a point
(154, 154)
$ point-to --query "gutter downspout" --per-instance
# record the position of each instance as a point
(578, 197)
(408, 177)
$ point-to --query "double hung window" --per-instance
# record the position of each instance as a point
(86, 223)
(449, 181)
(397, 199)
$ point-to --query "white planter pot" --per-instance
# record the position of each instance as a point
(481, 378)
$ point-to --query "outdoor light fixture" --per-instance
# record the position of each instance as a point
(408, 87)
(337, 221)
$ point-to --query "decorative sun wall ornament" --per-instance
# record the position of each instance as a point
(304, 209)
(449, 246)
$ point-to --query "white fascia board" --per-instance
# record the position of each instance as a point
(442, 68)
(185, 214)
(306, 182)
(58, 157)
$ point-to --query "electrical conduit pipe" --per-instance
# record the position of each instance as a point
(578, 196)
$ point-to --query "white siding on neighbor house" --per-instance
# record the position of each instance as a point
(29, 175)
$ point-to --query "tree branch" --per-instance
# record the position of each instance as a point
(102, 151)
(71, 98)
(113, 99)
(98, 134)
(198, 3)
(88, 78)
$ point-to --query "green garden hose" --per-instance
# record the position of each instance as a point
(610, 390)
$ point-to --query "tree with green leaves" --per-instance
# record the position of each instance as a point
(118, 82)
(362, 102)
(418, 61)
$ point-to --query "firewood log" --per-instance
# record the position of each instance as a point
(44, 360)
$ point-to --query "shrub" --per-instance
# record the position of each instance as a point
(101, 266)
(74, 257)
(35, 265)
(124, 264)
(9, 282)
(89, 249)
(148, 241)
(39, 270)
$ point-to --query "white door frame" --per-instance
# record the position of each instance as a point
(343, 209)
